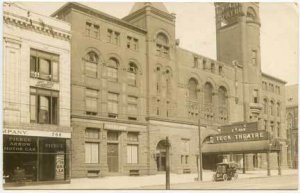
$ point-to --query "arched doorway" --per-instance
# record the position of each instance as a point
(161, 155)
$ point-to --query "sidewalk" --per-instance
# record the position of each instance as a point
(133, 182)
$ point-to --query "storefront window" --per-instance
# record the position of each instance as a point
(30, 158)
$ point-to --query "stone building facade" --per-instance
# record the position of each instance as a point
(132, 86)
(36, 96)
(292, 124)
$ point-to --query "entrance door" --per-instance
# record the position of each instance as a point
(161, 156)
(112, 157)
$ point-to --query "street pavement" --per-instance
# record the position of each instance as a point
(180, 181)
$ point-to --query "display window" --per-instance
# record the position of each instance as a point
(33, 159)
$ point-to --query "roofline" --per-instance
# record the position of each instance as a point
(98, 14)
(274, 78)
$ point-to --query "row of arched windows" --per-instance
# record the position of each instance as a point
(208, 100)
(92, 61)
(269, 107)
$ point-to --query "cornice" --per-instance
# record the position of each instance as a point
(97, 13)
(37, 26)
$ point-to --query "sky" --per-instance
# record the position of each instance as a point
(195, 27)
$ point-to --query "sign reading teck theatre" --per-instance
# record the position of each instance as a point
(240, 132)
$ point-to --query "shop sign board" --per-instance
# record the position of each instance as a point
(239, 137)
(239, 127)
(7, 131)
(19, 144)
(59, 167)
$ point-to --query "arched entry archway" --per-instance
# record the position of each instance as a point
(161, 155)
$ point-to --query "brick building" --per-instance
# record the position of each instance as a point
(292, 124)
(132, 85)
(36, 96)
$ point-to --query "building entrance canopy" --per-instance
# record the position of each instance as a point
(241, 147)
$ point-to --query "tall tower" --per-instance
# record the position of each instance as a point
(238, 42)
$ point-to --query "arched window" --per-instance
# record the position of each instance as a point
(208, 93)
(91, 63)
(278, 109)
(251, 15)
(168, 83)
(192, 86)
(132, 74)
(272, 107)
(222, 96)
(162, 45)
(265, 106)
(112, 70)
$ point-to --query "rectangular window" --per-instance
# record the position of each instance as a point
(131, 78)
(44, 65)
(109, 35)
(220, 70)
(43, 106)
(91, 152)
(96, 31)
(117, 38)
(132, 105)
(195, 62)
(271, 87)
(132, 153)
(255, 96)
(129, 42)
(91, 69)
(112, 73)
(254, 57)
(212, 68)
(266, 125)
(135, 44)
(91, 101)
(112, 99)
(92, 133)
(88, 27)
(277, 90)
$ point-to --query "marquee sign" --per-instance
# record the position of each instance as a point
(239, 127)
(239, 137)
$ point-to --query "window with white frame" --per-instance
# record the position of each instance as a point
(91, 101)
(112, 102)
(132, 147)
(44, 65)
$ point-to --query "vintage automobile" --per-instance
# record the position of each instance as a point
(226, 171)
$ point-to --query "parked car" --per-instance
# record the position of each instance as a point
(226, 171)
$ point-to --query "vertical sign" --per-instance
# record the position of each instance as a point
(60, 167)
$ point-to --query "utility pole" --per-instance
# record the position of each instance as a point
(200, 153)
(167, 164)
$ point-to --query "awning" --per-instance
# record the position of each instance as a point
(238, 147)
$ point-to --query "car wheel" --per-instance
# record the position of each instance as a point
(225, 177)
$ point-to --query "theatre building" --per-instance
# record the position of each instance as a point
(36, 97)
(133, 85)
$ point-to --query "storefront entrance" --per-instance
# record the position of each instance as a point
(33, 159)
(161, 156)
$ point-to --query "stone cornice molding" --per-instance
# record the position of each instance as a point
(37, 26)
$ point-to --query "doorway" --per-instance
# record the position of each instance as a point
(161, 155)
(113, 157)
